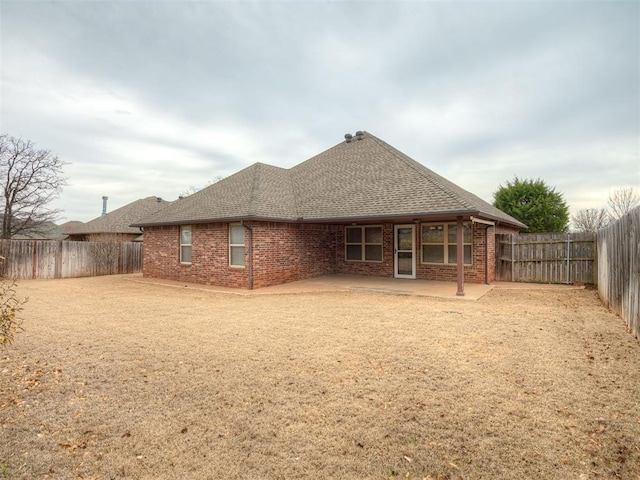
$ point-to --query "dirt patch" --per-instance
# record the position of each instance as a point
(120, 379)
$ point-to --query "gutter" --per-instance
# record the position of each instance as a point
(424, 216)
(484, 222)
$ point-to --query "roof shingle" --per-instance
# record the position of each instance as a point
(357, 179)
(119, 220)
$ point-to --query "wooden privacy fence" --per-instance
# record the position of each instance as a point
(29, 259)
(619, 268)
(546, 258)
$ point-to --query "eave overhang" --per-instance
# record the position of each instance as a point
(393, 218)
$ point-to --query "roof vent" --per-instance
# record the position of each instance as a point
(359, 134)
(348, 137)
(104, 206)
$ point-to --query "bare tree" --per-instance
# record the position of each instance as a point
(590, 219)
(104, 250)
(30, 179)
(193, 189)
(623, 200)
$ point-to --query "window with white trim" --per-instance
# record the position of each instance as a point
(363, 244)
(236, 245)
(439, 243)
(185, 244)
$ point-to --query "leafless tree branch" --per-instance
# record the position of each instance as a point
(623, 200)
(31, 179)
(590, 219)
(104, 250)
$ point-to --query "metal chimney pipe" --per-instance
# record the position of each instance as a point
(104, 206)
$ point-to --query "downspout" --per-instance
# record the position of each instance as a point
(249, 229)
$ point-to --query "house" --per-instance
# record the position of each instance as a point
(116, 224)
(362, 207)
(69, 226)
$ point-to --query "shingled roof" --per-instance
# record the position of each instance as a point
(364, 178)
(119, 220)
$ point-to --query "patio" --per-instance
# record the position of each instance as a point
(343, 283)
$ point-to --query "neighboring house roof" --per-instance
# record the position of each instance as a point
(119, 220)
(360, 179)
(70, 226)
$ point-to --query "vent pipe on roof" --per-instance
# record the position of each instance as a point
(348, 137)
(104, 206)
(359, 135)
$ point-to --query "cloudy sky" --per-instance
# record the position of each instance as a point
(148, 98)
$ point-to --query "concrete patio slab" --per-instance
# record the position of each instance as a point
(345, 283)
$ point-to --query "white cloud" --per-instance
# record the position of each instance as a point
(149, 98)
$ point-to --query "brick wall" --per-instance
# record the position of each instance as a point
(473, 273)
(209, 255)
(285, 252)
(491, 251)
(281, 253)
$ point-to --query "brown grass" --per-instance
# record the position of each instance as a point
(114, 378)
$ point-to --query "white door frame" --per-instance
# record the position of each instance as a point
(396, 251)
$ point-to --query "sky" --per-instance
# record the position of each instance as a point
(144, 98)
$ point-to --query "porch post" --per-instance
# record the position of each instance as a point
(460, 256)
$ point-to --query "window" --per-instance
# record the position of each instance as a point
(363, 244)
(236, 245)
(439, 243)
(185, 244)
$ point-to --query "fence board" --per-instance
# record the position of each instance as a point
(619, 268)
(546, 258)
(27, 259)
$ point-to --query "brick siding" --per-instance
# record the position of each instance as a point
(286, 252)
(473, 273)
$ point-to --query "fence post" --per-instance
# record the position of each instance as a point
(513, 261)
(57, 266)
(595, 259)
(34, 261)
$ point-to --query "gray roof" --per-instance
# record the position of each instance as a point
(360, 179)
(119, 220)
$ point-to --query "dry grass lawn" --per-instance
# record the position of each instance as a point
(116, 378)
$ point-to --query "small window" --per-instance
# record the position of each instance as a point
(439, 243)
(185, 244)
(363, 244)
(236, 245)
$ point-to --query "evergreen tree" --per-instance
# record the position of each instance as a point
(535, 204)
